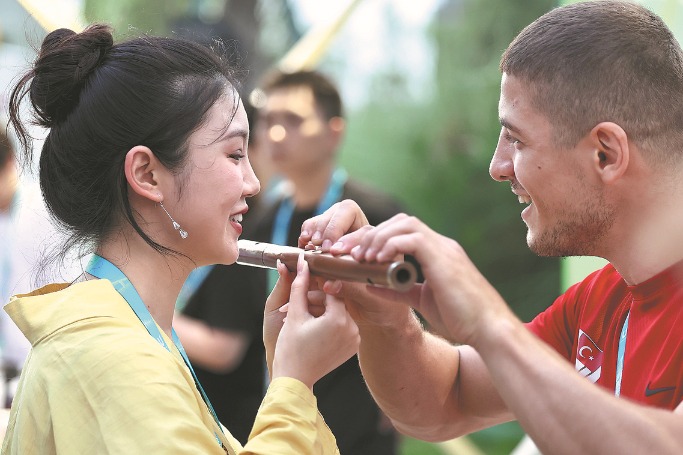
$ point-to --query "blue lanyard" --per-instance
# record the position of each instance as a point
(102, 268)
(283, 216)
(192, 283)
(620, 356)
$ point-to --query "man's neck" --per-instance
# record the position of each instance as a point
(649, 244)
(308, 190)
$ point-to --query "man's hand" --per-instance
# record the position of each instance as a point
(325, 229)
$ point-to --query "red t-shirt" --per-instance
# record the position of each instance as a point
(584, 325)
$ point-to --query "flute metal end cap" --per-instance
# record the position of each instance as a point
(402, 275)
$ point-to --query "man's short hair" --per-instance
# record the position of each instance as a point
(325, 92)
(597, 61)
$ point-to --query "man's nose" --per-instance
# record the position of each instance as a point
(501, 167)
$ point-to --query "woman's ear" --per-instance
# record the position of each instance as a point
(143, 171)
(612, 152)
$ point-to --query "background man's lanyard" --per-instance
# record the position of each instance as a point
(192, 283)
(620, 356)
(101, 268)
(283, 217)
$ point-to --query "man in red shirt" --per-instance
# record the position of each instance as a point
(591, 109)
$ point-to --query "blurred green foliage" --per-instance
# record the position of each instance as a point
(435, 156)
(132, 17)
(411, 446)
(498, 440)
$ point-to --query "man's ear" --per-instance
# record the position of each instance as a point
(143, 171)
(612, 151)
(337, 127)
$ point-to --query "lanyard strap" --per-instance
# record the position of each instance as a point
(283, 216)
(103, 269)
(192, 283)
(620, 356)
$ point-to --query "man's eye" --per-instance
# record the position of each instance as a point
(511, 139)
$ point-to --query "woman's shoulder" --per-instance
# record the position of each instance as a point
(87, 324)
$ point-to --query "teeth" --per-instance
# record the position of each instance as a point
(524, 199)
(236, 218)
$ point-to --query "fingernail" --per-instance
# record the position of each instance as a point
(316, 236)
(300, 263)
(304, 233)
(327, 244)
(337, 246)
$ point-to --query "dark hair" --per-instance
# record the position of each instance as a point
(600, 61)
(324, 90)
(6, 151)
(100, 99)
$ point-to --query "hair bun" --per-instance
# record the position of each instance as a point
(65, 62)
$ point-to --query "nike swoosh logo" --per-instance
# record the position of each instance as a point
(649, 392)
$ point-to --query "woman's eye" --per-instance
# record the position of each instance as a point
(237, 156)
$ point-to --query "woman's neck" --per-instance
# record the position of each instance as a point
(156, 277)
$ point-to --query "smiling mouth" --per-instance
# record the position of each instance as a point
(524, 199)
(236, 218)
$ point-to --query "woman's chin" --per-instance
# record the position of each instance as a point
(232, 254)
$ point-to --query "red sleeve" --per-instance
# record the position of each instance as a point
(558, 324)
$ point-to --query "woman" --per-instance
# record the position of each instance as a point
(146, 160)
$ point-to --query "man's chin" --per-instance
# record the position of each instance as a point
(551, 250)
(545, 248)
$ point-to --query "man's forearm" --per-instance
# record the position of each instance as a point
(413, 376)
(562, 411)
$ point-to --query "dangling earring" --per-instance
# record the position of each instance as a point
(176, 226)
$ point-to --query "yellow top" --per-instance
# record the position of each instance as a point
(96, 382)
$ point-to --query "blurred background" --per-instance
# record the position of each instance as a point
(420, 81)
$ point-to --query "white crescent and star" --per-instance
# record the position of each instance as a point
(581, 351)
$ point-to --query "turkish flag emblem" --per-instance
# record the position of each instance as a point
(588, 358)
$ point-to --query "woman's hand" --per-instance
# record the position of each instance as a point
(273, 318)
(313, 339)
